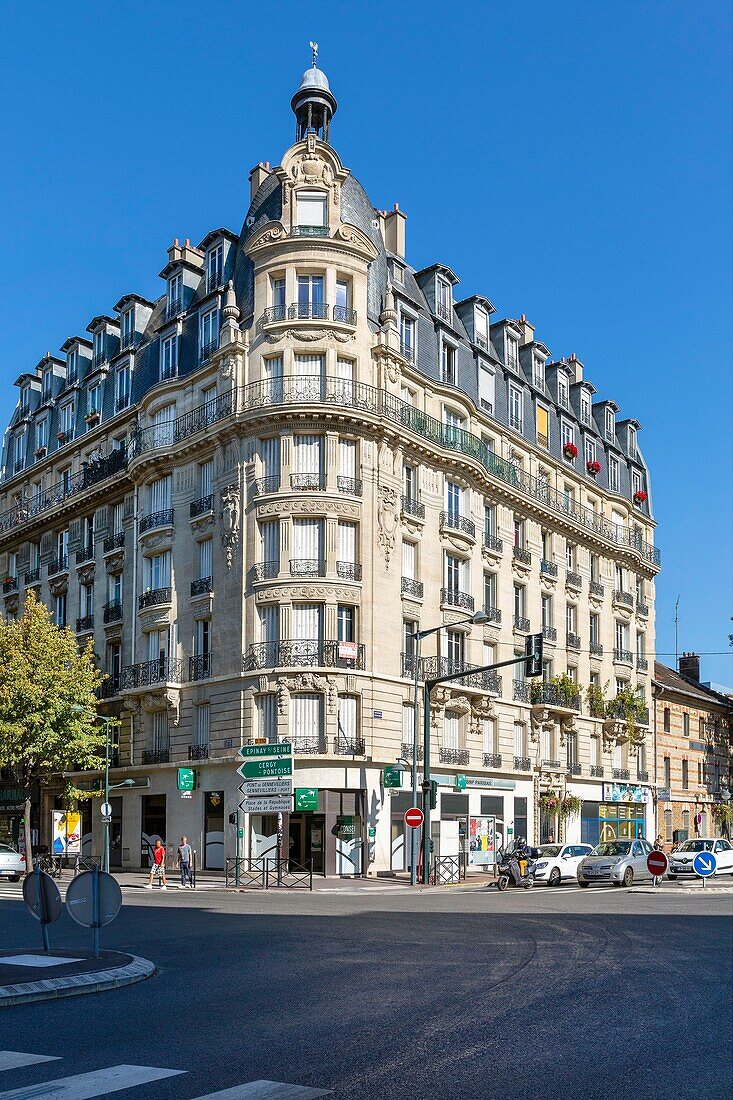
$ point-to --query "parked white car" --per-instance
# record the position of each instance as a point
(12, 863)
(559, 862)
(681, 860)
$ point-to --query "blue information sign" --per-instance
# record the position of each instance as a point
(704, 864)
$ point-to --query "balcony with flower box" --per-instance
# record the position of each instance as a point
(520, 691)
(555, 695)
(10, 584)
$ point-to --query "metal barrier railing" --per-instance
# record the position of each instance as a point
(267, 873)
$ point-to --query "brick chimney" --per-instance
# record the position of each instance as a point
(690, 666)
(257, 177)
(394, 231)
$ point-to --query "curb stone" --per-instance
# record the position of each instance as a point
(97, 982)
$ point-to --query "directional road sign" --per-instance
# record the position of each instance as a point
(264, 788)
(278, 804)
(306, 798)
(414, 817)
(279, 748)
(657, 863)
(266, 768)
(704, 864)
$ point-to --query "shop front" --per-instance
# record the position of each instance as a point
(329, 837)
(622, 813)
(12, 807)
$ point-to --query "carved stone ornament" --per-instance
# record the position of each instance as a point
(352, 235)
(306, 681)
(229, 519)
(309, 335)
(113, 632)
(11, 604)
(168, 699)
(541, 720)
(388, 519)
(567, 726)
(615, 732)
(156, 542)
(520, 569)
(273, 231)
(133, 705)
(202, 525)
(482, 708)
(86, 573)
(114, 562)
(59, 585)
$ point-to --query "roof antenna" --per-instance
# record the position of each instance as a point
(676, 622)
(314, 47)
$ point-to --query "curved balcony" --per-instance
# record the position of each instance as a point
(308, 483)
(304, 653)
(10, 584)
(453, 598)
(265, 571)
(167, 435)
(263, 485)
(154, 597)
(307, 567)
(623, 599)
(348, 571)
(273, 314)
(164, 670)
(309, 311)
(344, 316)
(458, 523)
(163, 518)
(595, 588)
(351, 485)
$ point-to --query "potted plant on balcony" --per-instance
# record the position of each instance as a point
(92, 418)
(593, 468)
(596, 700)
(640, 497)
(570, 451)
(61, 436)
(40, 452)
(629, 707)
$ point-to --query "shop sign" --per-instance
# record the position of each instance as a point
(346, 828)
(461, 782)
(11, 800)
(306, 798)
(392, 776)
(624, 792)
(186, 779)
(472, 781)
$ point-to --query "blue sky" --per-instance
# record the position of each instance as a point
(571, 161)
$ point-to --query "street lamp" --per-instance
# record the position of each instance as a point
(126, 783)
(417, 636)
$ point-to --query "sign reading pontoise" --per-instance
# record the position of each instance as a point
(267, 768)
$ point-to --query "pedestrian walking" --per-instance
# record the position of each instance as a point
(184, 863)
(157, 869)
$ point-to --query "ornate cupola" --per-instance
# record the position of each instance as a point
(314, 104)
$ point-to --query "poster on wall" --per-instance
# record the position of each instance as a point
(624, 792)
(481, 841)
(66, 833)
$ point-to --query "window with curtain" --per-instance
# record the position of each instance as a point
(486, 388)
(161, 494)
(519, 740)
(345, 380)
(267, 716)
(270, 545)
(348, 728)
(347, 542)
(269, 616)
(488, 728)
(272, 370)
(206, 478)
(310, 207)
(451, 726)
(543, 427)
(408, 560)
(158, 645)
(205, 559)
(310, 371)
(202, 725)
(595, 755)
(270, 458)
(307, 461)
(161, 731)
(308, 541)
(306, 721)
(307, 633)
(347, 462)
(157, 570)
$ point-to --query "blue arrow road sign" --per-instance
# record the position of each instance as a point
(704, 864)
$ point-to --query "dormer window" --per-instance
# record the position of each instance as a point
(632, 441)
(127, 327)
(538, 371)
(481, 321)
(175, 285)
(122, 387)
(512, 352)
(98, 347)
(169, 357)
(447, 363)
(397, 271)
(614, 478)
(310, 213)
(610, 424)
(25, 400)
(66, 422)
(407, 336)
(445, 300)
(214, 267)
(94, 401)
(562, 391)
(585, 407)
(48, 384)
(209, 333)
(19, 452)
(72, 366)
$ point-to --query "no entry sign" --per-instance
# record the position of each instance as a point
(414, 817)
(657, 863)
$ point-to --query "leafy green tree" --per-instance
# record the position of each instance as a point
(43, 678)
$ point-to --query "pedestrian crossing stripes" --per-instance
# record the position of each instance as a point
(103, 1082)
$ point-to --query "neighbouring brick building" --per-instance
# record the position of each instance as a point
(694, 751)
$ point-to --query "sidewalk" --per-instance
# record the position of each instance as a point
(33, 976)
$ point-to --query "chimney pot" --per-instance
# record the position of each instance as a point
(690, 666)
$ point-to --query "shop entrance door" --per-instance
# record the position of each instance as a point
(214, 830)
(154, 827)
(306, 840)
(115, 834)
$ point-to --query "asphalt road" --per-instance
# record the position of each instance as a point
(454, 994)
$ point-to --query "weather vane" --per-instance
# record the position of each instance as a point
(314, 47)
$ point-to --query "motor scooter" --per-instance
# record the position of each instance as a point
(510, 871)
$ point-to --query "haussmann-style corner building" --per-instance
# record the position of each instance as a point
(252, 488)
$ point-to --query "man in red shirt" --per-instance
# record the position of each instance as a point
(157, 868)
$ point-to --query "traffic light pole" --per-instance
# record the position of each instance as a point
(531, 654)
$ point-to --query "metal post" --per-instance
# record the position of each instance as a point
(414, 840)
(42, 909)
(95, 909)
(239, 850)
(279, 849)
(426, 783)
(105, 823)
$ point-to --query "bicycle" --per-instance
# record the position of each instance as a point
(49, 864)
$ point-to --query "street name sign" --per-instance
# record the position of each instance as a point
(704, 864)
(657, 863)
(414, 817)
(306, 798)
(264, 788)
(266, 768)
(279, 748)
(278, 804)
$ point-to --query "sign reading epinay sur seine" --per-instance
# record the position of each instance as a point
(267, 772)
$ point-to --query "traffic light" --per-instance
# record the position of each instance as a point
(433, 794)
(533, 655)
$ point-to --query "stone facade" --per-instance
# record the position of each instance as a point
(298, 455)
(694, 752)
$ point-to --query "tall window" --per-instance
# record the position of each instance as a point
(585, 407)
(486, 388)
(610, 424)
(209, 335)
(169, 357)
(205, 559)
(122, 387)
(489, 521)
(306, 720)
(562, 391)
(214, 267)
(546, 612)
(175, 286)
(519, 592)
(613, 474)
(448, 363)
(409, 482)
(512, 352)
(270, 546)
(310, 297)
(451, 727)
(520, 740)
(666, 720)
(408, 559)
(452, 573)
(595, 629)
(455, 646)
(515, 408)
(161, 732)
(667, 772)
(452, 499)
(203, 724)
(310, 209)
(267, 716)
(685, 775)
(490, 592)
(407, 336)
(127, 327)
(161, 493)
(348, 722)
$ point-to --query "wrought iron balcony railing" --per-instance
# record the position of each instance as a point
(58, 564)
(348, 570)
(492, 542)
(273, 314)
(407, 351)
(84, 623)
(199, 667)
(623, 656)
(596, 649)
(309, 231)
(641, 663)
(408, 665)
(621, 773)
(32, 576)
(461, 757)
(642, 609)
(618, 708)
(521, 623)
(304, 653)
(349, 746)
(454, 598)
(208, 349)
(201, 586)
(458, 523)
(575, 769)
(163, 518)
(492, 759)
(201, 506)
(642, 776)
(595, 588)
(549, 568)
(407, 751)
(211, 412)
(445, 312)
(263, 485)
(520, 691)
(154, 597)
(493, 614)
(309, 311)
(112, 612)
(307, 567)
(198, 752)
(573, 640)
(304, 483)
(573, 579)
(412, 507)
(265, 571)
(173, 308)
(549, 633)
(309, 746)
(596, 771)
(85, 553)
(522, 764)
(520, 554)
(109, 687)
(156, 756)
(623, 599)
(161, 671)
(10, 584)
(432, 667)
(114, 542)
(411, 587)
(552, 765)
(351, 485)
(344, 316)
(553, 695)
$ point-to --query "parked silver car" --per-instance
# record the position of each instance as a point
(616, 861)
(12, 863)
